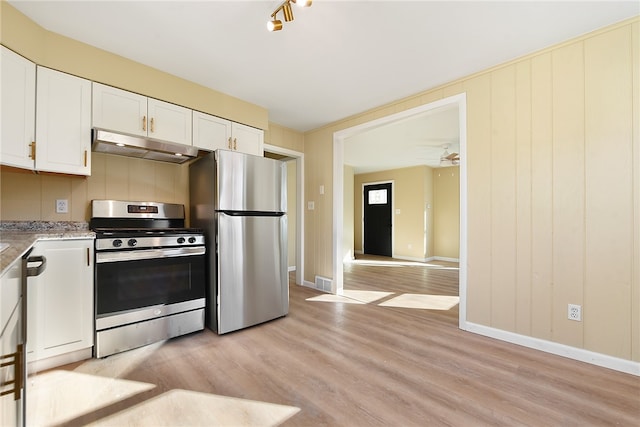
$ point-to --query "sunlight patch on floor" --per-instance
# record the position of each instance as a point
(365, 296)
(334, 298)
(58, 396)
(427, 302)
(190, 408)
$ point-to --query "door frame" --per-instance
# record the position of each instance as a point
(299, 158)
(339, 137)
(393, 217)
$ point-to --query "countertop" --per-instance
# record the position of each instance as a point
(19, 236)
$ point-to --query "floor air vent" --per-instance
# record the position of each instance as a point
(323, 284)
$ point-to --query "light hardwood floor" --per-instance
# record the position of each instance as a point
(365, 360)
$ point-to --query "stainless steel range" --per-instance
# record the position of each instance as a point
(149, 274)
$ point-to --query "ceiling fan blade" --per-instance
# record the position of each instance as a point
(453, 156)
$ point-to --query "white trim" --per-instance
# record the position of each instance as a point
(574, 353)
(338, 188)
(292, 268)
(308, 284)
(393, 224)
(300, 204)
(410, 258)
(443, 258)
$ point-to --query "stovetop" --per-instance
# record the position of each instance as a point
(106, 232)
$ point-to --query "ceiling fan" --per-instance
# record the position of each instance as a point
(449, 159)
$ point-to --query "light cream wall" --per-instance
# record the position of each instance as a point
(291, 212)
(348, 214)
(409, 231)
(52, 50)
(553, 191)
(284, 137)
(29, 196)
(446, 212)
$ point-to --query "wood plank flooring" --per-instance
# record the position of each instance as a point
(337, 361)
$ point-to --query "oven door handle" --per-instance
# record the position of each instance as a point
(102, 257)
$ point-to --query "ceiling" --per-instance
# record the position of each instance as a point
(337, 58)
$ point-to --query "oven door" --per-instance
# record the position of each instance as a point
(138, 279)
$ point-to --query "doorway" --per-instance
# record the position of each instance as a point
(377, 219)
(287, 155)
(459, 101)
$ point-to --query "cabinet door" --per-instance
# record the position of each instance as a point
(18, 109)
(210, 132)
(169, 122)
(119, 111)
(247, 139)
(10, 337)
(60, 300)
(63, 123)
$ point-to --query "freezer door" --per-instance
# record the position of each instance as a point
(250, 183)
(252, 270)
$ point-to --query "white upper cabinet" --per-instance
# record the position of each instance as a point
(212, 133)
(18, 110)
(169, 122)
(63, 123)
(247, 139)
(121, 111)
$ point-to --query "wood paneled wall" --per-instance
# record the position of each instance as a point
(553, 178)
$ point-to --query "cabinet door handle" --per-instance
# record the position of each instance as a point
(85, 158)
(88, 257)
(235, 144)
(229, 145)
(151, 124)
(32, 150)
(144, 123)
(16, 362)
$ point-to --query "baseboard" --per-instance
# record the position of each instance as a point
(292, 268)
(598, 359)
(409, 258)
(62, 359)
(442, 258)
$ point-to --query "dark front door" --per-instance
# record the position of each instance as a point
(377, 219)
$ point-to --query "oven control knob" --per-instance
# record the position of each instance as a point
(132, 242)
(192, 239)
(180, 240)
(117, 243)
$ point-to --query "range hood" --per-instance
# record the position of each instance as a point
(142, 148)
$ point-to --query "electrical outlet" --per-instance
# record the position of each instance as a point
(62, 206)
(574, 312)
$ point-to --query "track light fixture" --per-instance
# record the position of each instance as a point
(276, 24)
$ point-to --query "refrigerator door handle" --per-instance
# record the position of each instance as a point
(252, 213)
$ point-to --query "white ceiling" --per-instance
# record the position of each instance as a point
(337, 58)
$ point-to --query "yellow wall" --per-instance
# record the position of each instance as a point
(410, 230)
(348, 219)
(446, 212)
(553, 191)
(29, 196)
(284, 137)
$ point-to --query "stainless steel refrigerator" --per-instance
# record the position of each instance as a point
(240, 201)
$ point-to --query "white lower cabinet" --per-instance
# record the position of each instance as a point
(60, 302)
(10, 344)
